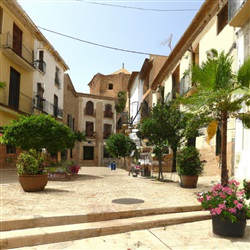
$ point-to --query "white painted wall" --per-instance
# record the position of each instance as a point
(135, 99)
(242, 135)
(48, 78)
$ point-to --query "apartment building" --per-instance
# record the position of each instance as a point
(32, 72)
(239, 18)
(208, 29)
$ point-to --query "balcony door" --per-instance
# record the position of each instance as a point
(14, 90)
(55, 106)
(17, 39)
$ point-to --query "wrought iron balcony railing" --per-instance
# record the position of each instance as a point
(24, 51)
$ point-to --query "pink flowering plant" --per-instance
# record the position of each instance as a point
(225, 201)
(74, 169)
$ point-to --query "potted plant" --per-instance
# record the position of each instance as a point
(189, 166)
(228, 208)
(30, 171)
(38, 132)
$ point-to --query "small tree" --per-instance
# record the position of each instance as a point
(120, 145)
(168, 126)
(38, 132)
(216, 86)
(164, 128)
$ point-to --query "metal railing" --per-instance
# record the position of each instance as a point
(108, 114)
(47, 107)
(22, 104)
(41, 66)
(90, 133)
(26, 52)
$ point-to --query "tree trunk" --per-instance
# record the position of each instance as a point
(174, 160)
(224, 170)
(125, 167)
(160, 175)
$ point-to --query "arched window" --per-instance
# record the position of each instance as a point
(89, 108)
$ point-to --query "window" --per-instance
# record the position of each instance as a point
(17, 39)
(88, 153)
(175, 82)
(107, 129)
(89, 129)
(55, 106)
(89, 108)
(14, 89)
(222, 18)
(10, 149)
(108, 111)
(41, 63)
(71, 122)
(110, 86)
(40, 99)
(57, 74)
(144, 109)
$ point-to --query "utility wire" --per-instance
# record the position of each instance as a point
(135, 8)
(114, 5)
(96, 44)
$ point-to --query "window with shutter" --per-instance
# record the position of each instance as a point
(89, 128)
(108, 111)
(89, 108)
(222, 19)
(107, 129)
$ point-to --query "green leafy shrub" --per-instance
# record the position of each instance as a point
(188, 162)
(30, 163)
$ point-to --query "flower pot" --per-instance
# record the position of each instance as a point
(227, 228)
(189, 181)
(33, 183)
(58, 176)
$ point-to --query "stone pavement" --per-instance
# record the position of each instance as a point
(101, 190)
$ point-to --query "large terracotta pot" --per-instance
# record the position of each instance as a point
(189, 181)
(227, 228)
(33, 183)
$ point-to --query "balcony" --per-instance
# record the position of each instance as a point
(90, 134)
(22, 105)
(46, 107)
(108, 114)
(23, 57)
(41, 65)
(89, 113)
(238, 12)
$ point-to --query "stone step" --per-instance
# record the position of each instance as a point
(92, 217)
(60, 233)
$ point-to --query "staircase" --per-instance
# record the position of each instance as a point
(46, 230)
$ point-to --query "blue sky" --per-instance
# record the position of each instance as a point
(118, 27)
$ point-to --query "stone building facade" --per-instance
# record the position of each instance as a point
(109, 85)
